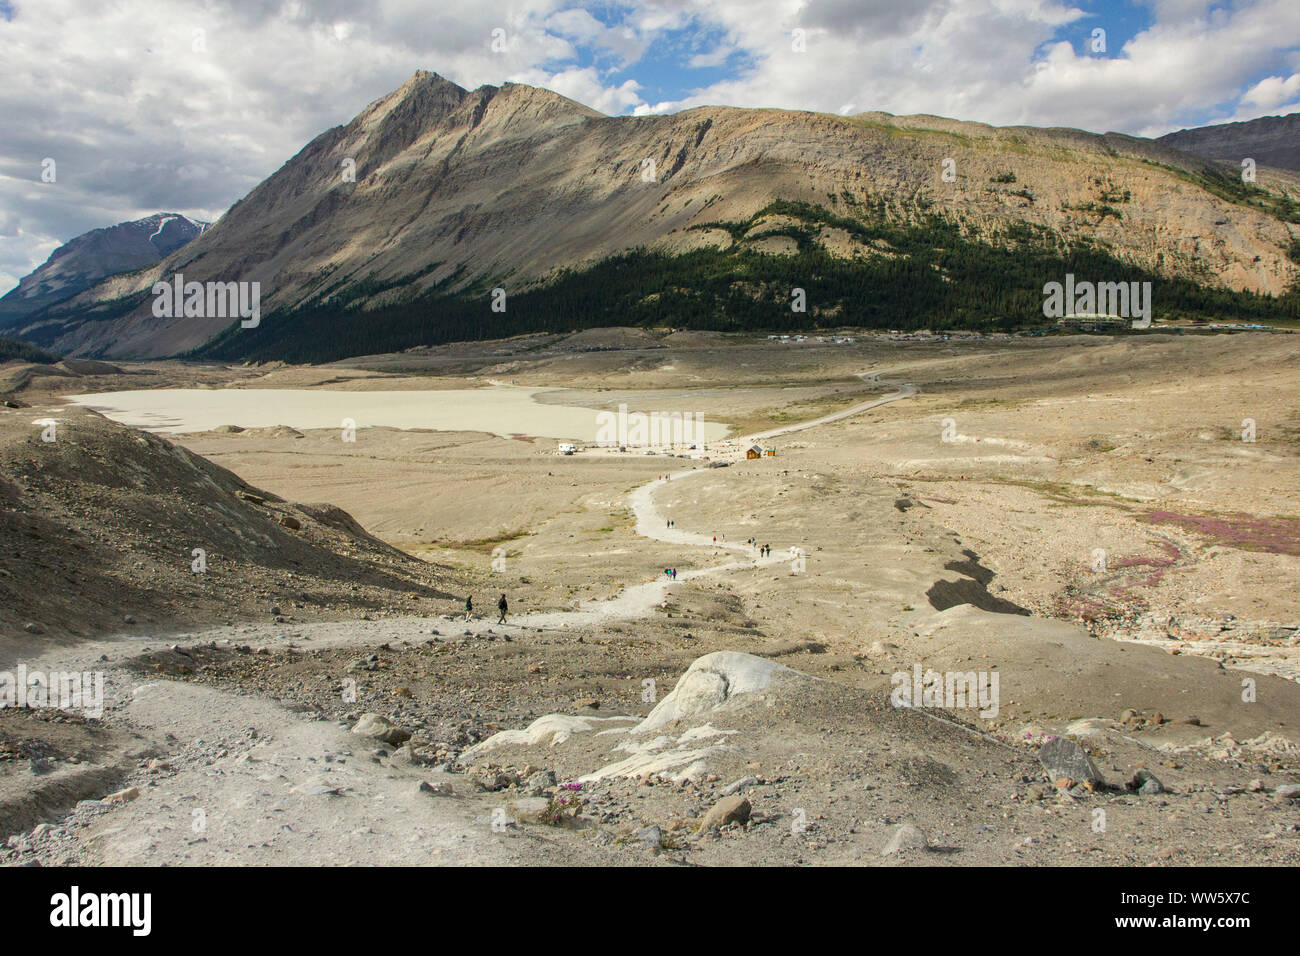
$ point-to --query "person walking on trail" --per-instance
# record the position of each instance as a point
(502, 606)
(469, 606)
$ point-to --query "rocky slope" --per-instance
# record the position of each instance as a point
(101, 524)
(460, 191)
(1269, 141)
(81, 262)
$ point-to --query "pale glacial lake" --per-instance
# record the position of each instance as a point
(500, 410)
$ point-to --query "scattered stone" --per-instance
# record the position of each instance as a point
(381, 728)
(733, 809)
(290, 522)
(651, 837)
(1146, 783)
(531, 810)
(31, 627)
(906, 837)
(436, 789)
(493, 781)
(542, 780)
(1087, 726)
(321, 790)
(738, 785)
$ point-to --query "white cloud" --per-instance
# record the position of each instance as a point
(1272, 92)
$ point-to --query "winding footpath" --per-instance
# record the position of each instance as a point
(252, 782)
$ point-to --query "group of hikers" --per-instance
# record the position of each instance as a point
(671, 573)
(502, 606)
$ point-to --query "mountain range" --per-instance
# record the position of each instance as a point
(82, 262)
(441, 213)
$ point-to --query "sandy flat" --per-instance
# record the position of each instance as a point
(502, 410)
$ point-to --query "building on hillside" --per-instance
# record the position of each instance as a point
(1093, 322)
(754, 452)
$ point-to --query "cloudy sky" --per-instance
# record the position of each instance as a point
(184, 105)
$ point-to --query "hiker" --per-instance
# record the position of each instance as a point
(674, 574)
(469, 606)
(502, 606)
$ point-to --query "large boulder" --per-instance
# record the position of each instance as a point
(713, 681)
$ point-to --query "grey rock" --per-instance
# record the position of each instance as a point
(1146, 783)
(1065, 758)
(531, 810)
(492, 781)
(906, 837)
(380, 727)
(651, 836)
(542, 780)
(738, 785)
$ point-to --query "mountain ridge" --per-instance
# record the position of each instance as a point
(86, 259)
(1269, 140)
(459, 191)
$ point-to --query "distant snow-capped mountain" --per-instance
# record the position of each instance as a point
(81, 262)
